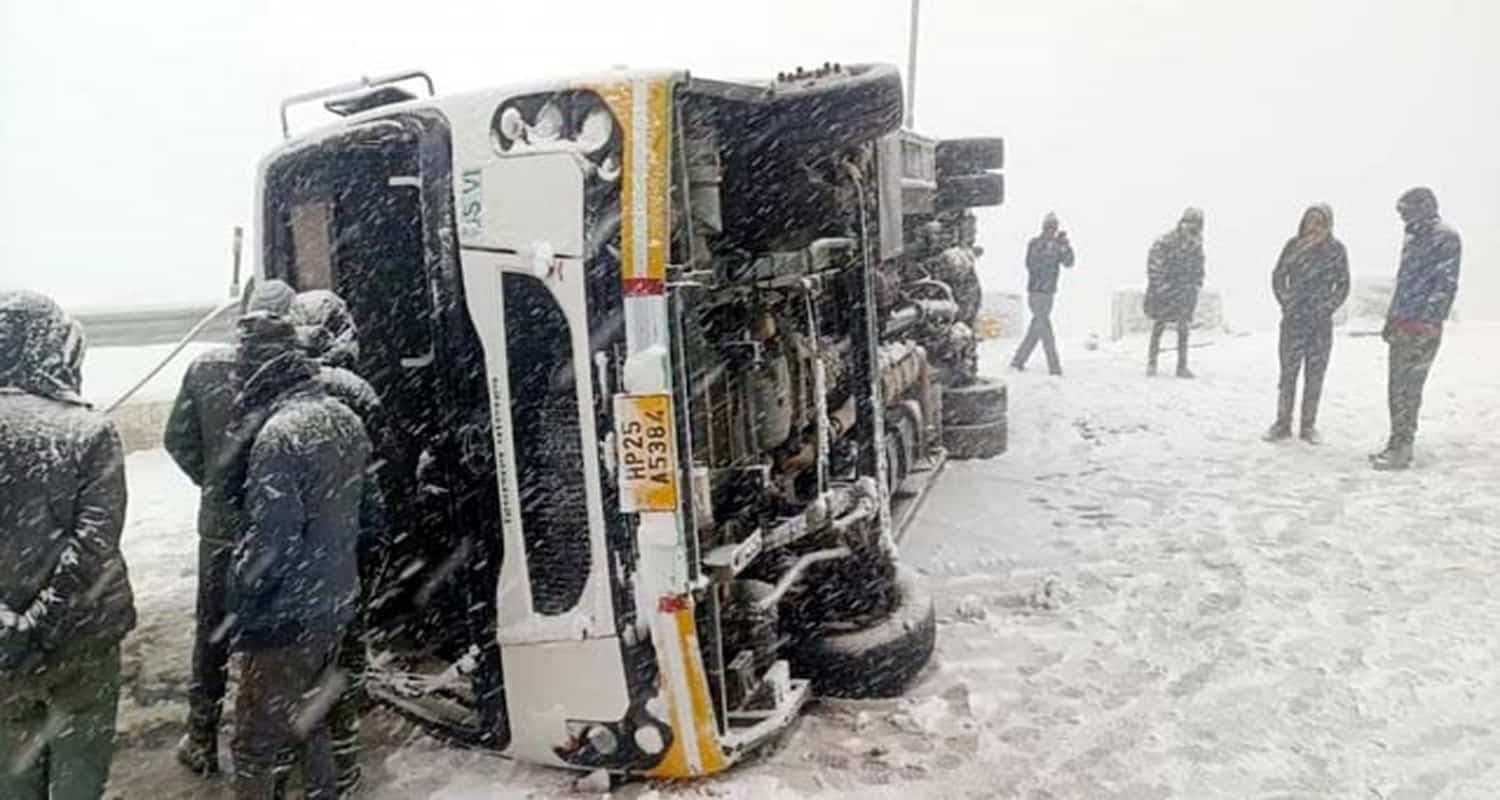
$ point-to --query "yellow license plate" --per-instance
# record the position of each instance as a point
(648, 466)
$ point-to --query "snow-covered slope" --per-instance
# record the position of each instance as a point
(1140, 600)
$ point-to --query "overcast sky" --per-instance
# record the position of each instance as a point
(130, 131)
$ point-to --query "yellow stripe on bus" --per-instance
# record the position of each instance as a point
(658, 230)
(697, 679)
(711, 756)
(620, 97)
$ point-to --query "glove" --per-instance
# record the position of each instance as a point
(1410, 327)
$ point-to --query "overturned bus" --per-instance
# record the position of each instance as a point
(667, 365)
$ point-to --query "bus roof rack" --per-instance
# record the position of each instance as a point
(362, 100)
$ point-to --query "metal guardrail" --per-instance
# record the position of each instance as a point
(135, 327)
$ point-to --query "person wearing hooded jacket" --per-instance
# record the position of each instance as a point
(1174, 276)
(197, 436)
(328, 335)
(296, 479)
(1426, 285)
(1311, 282)
(65, 597)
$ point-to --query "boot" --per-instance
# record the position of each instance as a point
(1396, 457)
(199, 751)
(1184, 372)
(1311, 435)
(1390, 446)
(1279, 432)
(1151, 369)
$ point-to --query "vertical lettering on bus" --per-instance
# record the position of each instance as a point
(471, 205)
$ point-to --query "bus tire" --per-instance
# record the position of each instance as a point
(879, 660)
(969, 156)
(984, 400)
(985, 440)
(846, 592)
(970, 191)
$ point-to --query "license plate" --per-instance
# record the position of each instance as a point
(648, 467)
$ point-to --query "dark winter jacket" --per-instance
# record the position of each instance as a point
(305, 496)
(1044, 256)
(1311, 279)
(200, 428)
(62, 494)
(354, 392)
(1174, 273)
(327, 333)
(197, 435)
(1427, 281)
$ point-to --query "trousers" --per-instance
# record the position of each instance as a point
(1157, 329)
(1305, 347)
(1040, 330)
(343, 718)
(57, 726)
(210, 639)
(282, 712)
(1411, 358)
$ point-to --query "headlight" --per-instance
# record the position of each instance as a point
(512, 125)
(597, 128)
(548, 126)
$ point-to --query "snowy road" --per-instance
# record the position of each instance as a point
(1140, 600)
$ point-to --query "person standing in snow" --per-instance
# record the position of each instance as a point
(1045, 254)
(328, 335)
(65, 597)
(1426, 284)
(198, 438)
(1174, 276)
(297, 478)
(1311, 281)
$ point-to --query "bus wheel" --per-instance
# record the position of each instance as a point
(875, 661)
(984, 400)
(986, 440)
(846, 593)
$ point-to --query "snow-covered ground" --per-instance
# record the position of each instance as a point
(1140, 600)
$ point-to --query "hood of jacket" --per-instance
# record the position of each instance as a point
(41, 349)
(1418, 208)
(269, 360)
(326, 329)
(1316, 210)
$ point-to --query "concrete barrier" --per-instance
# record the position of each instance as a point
(1127, 313)
(148, 325)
